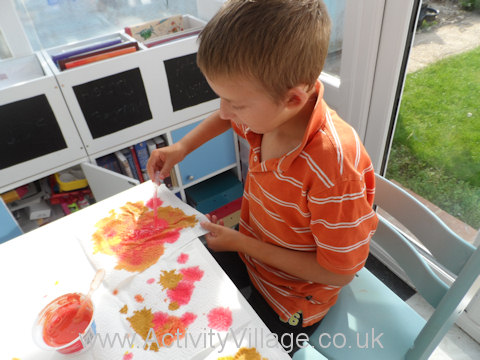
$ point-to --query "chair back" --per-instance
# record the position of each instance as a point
(436, 247)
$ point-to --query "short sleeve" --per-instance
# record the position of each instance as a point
(342, 223)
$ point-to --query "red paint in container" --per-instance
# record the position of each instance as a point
(61, 326)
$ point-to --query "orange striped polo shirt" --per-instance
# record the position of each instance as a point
(316, 198)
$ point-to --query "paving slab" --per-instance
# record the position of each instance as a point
(444, 40)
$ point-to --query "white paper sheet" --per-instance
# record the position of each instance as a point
(185, 293)
(144, 292)
(144, 193)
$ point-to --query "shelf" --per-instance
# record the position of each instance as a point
(55, 55)
(37, 129)
(95, 110)
(184, 26)
(20, 70)
(43, 203)
(214, 193)
(119, 100)
(206, 159)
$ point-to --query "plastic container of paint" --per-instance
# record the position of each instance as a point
(66, 324)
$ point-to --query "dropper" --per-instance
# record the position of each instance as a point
(156, 183)
(97, 280)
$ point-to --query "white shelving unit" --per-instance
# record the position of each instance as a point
(38, 134)
(161, 84)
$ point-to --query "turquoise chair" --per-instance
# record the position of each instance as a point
(371, 322)
(8, 225)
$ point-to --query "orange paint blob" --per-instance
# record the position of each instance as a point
(60, 323)
(166, 327)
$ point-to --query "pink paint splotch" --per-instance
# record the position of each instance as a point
(220, 319)
(161, 319)
(154, 202)
(188, 318)
(182, 293)
(150, 281)
(128, 356)
(182, 258)
(192, 274)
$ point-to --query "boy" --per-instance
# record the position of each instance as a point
(306, 217)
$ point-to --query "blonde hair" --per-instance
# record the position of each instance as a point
(280, 43)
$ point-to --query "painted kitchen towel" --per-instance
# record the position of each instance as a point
(182, 307)
(126, 235)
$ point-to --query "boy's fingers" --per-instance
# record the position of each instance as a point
(210, 226)
(164, 173)
(154, 164)
(206, 225)
(213, 219)
(166, 168)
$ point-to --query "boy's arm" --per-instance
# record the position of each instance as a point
(301, 264)
(209, 128)
(163, 159)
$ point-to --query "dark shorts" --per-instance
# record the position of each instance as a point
(287, 331)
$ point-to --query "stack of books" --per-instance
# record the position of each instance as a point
(132, 161)
(93, 52)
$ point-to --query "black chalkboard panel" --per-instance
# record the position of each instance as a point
(114, 102)
(29, 130)
(186, 82)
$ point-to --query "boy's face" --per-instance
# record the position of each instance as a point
(246, 102)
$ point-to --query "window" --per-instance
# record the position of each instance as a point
(398, 30)
(336, 9)
(52, 23)
(4, 49)
(434, 150)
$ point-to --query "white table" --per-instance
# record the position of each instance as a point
(50, 261)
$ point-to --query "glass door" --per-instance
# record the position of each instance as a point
(423, 127)
(4, 49)
(350, 67)
(13, 40)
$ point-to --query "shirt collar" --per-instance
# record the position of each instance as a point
(316, 122)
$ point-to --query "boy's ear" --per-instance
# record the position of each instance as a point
(296, 96)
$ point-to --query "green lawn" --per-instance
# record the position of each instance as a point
(436, 148)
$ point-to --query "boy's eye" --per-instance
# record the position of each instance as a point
(237, 107)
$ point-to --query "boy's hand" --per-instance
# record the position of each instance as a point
(220, 237)
(164, 159)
